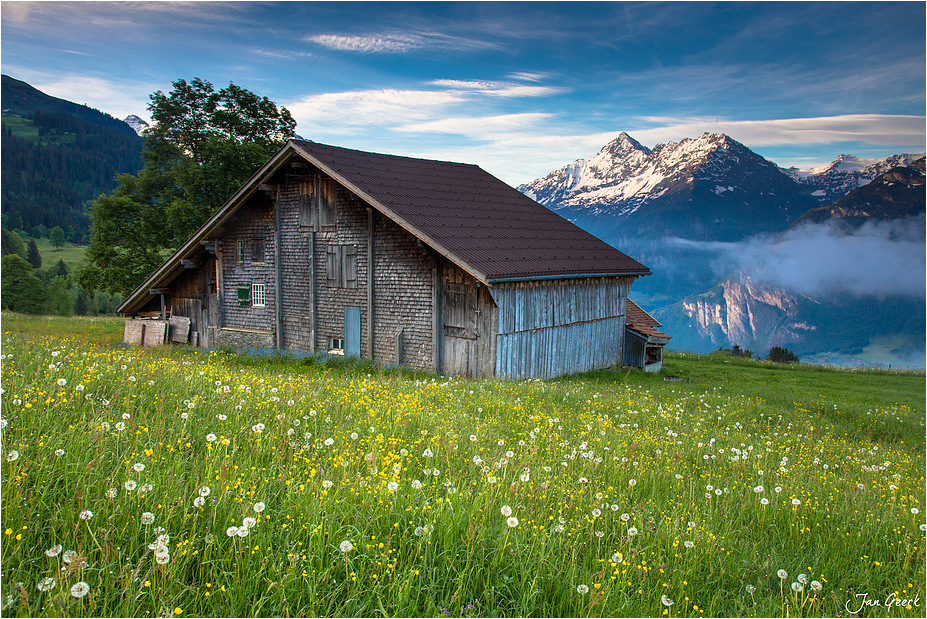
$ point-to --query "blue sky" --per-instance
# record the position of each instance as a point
(517, 88)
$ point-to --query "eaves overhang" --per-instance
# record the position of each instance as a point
(172, 266)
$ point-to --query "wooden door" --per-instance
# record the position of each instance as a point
(352, 331)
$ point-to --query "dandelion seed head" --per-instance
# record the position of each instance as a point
(80, 589)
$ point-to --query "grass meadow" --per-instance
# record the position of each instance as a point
(173, 482)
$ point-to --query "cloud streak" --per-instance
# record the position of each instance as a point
(872, 128)
(396, 42)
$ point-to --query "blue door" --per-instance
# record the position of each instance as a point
(352, 331)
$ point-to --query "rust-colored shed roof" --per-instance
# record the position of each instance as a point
(476, 219)
(640, 321)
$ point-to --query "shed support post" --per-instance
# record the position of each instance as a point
(370, 282)
(436, 331)
(278, 268)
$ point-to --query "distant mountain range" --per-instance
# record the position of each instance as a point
(710, 217)
(707, 188)
(846, 173)
(895, 193)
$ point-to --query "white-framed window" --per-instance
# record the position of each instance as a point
(240, 252)
(257, 295)
(336, 345)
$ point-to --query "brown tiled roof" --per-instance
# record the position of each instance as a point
(474, 218)
(642, 322)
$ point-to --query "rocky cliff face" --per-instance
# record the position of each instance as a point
(740, 311)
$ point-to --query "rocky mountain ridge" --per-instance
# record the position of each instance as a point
(897, 193)
(709, 188)
(846, 173)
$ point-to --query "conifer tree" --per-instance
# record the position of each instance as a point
(33, 256)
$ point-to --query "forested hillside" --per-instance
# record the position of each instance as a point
(57, 157)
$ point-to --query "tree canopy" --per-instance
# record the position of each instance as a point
(204, 144)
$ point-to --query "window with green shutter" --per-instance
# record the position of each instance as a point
(244, 294)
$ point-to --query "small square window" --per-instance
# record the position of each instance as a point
(257, 295)
(257, 250)
(240, 252)
(336, 345)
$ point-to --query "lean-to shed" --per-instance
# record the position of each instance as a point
(643, 346)
(429, 264)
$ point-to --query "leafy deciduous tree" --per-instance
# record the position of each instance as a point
(56, 236)
(204, 144)
(22, 291)
(58, 299)
(12, 243)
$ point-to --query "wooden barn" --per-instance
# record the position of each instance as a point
(433, 265)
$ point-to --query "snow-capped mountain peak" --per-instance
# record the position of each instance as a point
(836, 179)
(137, 124)
(627, 179)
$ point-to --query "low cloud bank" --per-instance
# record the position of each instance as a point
(880, 258)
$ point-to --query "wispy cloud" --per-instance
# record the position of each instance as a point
(396, 42)
(390, 43)
(872, 128)
(383, 108)
(478, 127)
(498, 89)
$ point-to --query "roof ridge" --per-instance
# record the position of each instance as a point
(391, 156)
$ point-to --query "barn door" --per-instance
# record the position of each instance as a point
(352, 331)
(460, 346)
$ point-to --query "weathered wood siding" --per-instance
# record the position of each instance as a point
(254, 221)
(193, 295)
(403, 299)
(634, 350)
(316, 288)
(469, 322)
(555, 327)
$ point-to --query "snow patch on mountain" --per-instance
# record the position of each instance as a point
(836, 179)
(137, 124)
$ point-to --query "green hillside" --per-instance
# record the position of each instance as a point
(57, 157)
